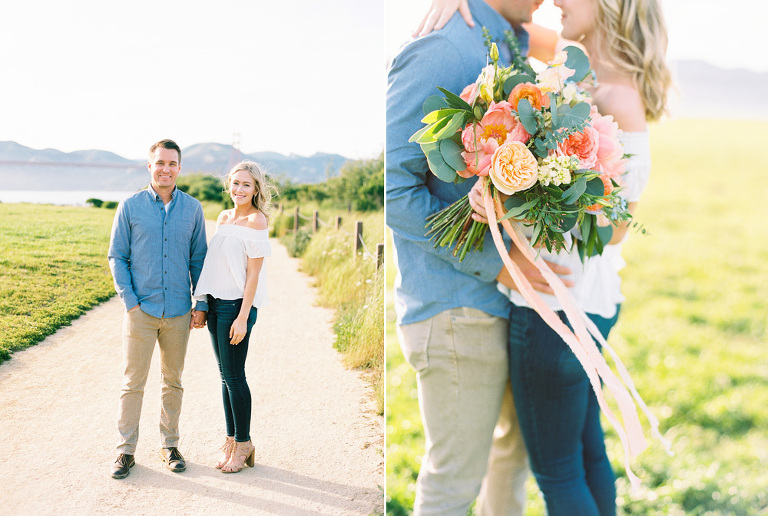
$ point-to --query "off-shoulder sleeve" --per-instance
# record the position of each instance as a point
(639, 164)
(258, 248)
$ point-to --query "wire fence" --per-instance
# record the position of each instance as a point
(359, 244)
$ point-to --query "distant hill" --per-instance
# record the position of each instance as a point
(706, 91)
(23, 168)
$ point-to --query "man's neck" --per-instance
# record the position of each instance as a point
(165, 193)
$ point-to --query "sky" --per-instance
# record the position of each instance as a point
(288, 76)
(728, 34)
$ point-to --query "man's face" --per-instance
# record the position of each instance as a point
(164, 167)
(518, 12)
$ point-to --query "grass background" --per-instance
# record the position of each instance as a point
(692, 332)
(53, 267)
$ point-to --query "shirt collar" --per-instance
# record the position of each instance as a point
(156, 196)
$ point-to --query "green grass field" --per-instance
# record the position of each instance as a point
(53, 267)
(692, 332)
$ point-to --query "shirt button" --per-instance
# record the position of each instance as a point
(477, 274)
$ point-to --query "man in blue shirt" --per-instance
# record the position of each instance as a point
(452, 320)
(156, 253)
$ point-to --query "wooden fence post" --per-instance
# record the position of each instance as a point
(296, 221)
(315, 222)
(358, 236)
(379, 255)
(338, 222)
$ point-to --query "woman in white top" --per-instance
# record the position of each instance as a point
(233, 282)
(556, 407)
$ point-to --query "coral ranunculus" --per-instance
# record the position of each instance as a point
(529, 91)
(583, 145)
(513, 168)
(469, 94)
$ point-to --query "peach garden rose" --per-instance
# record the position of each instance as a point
(514, 168)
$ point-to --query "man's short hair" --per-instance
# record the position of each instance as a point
(165, 144)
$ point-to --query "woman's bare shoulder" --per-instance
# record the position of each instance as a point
(257, 220)
(224, 216)
(624, 103)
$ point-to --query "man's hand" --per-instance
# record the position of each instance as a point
(531, 272)
(198, 319)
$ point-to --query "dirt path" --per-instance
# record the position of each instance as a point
(318, 439)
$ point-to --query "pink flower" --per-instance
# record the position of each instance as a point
(469, 94)
(609, 149)
(583, 145)
(481, 140)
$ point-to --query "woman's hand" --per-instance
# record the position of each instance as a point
(439, 13)
(237, 330)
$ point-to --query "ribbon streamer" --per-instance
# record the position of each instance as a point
(579, 340)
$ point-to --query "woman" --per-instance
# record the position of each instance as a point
(557, 409)
(233, 281)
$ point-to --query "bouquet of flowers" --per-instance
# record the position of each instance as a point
(554, 158)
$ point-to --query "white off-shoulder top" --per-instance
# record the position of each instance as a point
(597, 282)
(224, 269)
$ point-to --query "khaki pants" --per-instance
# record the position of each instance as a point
(460, 357)
(503, 491)
(140, 332)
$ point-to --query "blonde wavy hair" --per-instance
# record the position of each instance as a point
(265, 190)
(634, 39)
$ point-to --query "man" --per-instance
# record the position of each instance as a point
(452, 320)
(156, 253)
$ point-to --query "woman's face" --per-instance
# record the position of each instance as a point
(241, 188)
(578, 17)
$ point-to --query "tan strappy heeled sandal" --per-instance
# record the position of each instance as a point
(227, 448)
(243, 454)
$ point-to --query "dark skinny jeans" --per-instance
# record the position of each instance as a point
(231, 358)
(560, 418)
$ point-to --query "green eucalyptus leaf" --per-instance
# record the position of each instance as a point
(553, 108)
(571, 116)
(595, 187)
(439, 167)
(578, 62)
(451, 152)
(604, 234)
(526, 115)
(569, 218)
(433, 103)
(478, 112)
(575, 191)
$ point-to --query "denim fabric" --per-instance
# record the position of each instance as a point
(156, 257)
(560, 418)
(231, 359)
(430, 280)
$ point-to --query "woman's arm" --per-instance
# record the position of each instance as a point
(439, 13)
(240, 326)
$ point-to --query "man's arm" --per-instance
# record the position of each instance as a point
(198, 247)
(119, 256)
(415, 74)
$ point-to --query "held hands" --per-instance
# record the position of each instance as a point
(237, 330)
(198, 319)
(439, 13)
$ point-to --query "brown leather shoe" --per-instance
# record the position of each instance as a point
(122, 466)
(173, 459)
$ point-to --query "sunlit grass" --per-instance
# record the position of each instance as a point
(692, 332)
(53, 267)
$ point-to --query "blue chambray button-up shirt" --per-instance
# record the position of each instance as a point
(430, 280)
(156, 255)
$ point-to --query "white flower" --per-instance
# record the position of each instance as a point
(556, 170)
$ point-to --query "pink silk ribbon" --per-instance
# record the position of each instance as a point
(579, 340)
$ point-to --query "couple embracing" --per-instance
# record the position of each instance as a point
(499, 391)
(159, 257)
